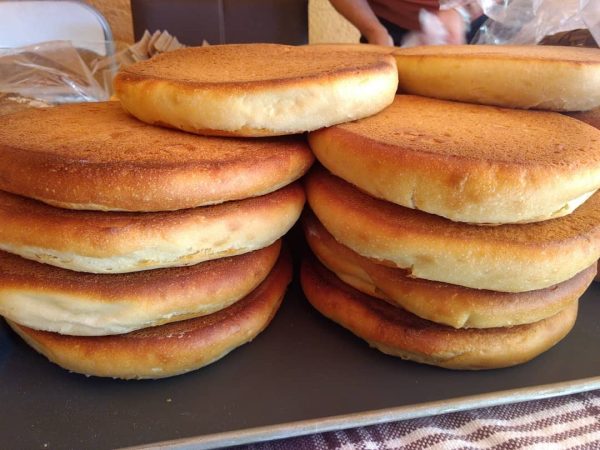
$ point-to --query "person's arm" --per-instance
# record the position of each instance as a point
(360, 14)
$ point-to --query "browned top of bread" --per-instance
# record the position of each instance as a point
(540, 53)
(443, 133)
(355, 47)
(96, 156)
(169, 349)
(466, 162)
(254, 65)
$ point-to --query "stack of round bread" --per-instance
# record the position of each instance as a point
(455, 234)
(149, 252)
(134, 251)
(461, 234)
(591, 117)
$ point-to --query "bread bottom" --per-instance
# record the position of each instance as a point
(396, 332)
(170, 349)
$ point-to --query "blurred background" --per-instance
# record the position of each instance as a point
(323, 22)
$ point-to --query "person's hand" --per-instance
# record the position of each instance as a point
(474, 9)
(379, 36)
(454, 24)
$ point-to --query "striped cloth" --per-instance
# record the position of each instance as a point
(568, 422)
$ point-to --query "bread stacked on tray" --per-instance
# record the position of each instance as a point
(449, 233)
(149, 252)
(461, 234)
(136, 251)
(591, 117)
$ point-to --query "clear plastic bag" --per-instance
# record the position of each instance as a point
(58, 72)
(515, 21)
(529, 21)
(54, 72)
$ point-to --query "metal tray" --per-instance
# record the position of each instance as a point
(304, 374)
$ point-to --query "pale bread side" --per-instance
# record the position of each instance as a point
(170, 349)
(257, 89)
(443, 303)
(506, 258)
(48, 298)
(529, 77)
(118, 242)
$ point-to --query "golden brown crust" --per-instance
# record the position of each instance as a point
(257, 89)
(442, 303)
(543, 54)
(170, 349)
(397, 332)
(591, 118)
(116, 242)
(96, 156)
(530, 77)
(468, 163)
(250, 66)
(507, 258)
(48, 298)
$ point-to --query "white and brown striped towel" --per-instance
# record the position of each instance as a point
(568, 422)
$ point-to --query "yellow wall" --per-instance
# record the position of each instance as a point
(118, 15)
(326, 25)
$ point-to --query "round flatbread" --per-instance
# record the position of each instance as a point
(443, 303)
(397, 332)
(468, 163)
(170, 349)
(531, 77)
(118, 242)
(257, 89)
(48, 298)
(95, 156)
(506, 258)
